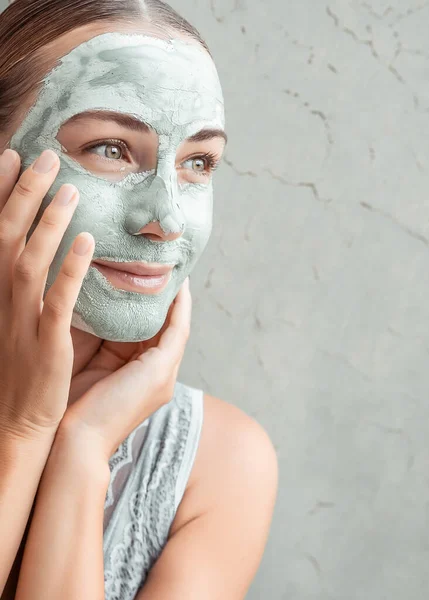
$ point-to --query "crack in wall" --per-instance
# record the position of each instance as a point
(409, 13)
(220, 247)
(257, 321)
(316, 113)
(314, 562)
(316, 273)
(295, 324)
(353, 34)
(389, 13)
(372, 12)
(238, 5)
(208, 283)
(237, 171)
(223, 309)
(307, 184)
(319, 506)
(259, 358)
(369, 43)
(414, 234)
(205, 382)
(345, 359)
(398, 51)
(213, 11)
(299, 44)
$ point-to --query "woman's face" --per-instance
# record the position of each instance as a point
(138, 125)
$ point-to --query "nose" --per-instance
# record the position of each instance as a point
(155, 212)
(152, 231)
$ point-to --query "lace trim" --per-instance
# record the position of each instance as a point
(123, 456)
(151, 505)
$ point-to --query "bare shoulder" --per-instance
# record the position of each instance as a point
(221, 527)
(232, 441)
(235, 466)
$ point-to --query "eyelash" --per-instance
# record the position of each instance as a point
(119, 143)
(210, 158)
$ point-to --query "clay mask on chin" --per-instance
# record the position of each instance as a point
(173, 87)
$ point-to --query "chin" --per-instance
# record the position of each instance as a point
(120, 330)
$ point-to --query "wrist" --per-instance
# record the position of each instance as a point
(73, 428)
(17, 448)
(80, 454)
(26, 433)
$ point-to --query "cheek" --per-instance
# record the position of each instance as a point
(198, 211)
(97, 202)
(197, 205)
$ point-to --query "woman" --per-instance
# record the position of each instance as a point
(111, 125)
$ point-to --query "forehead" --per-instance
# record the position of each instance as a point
(169, 84)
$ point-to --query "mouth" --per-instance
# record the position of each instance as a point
(143, 278)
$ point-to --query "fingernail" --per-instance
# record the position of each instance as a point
(65, 194)
(46, 161)
(82, 244)
(7, 161)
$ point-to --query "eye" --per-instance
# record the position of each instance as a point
(201, 165)
(196, 164)
(112, 150)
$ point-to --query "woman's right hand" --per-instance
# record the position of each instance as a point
(36, 351)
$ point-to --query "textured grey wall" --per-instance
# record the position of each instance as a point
(315, 315)
(311, 303)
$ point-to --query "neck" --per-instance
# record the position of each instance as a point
(85, 346)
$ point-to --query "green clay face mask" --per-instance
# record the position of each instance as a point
(173, 87)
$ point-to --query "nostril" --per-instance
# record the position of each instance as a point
(153, 237)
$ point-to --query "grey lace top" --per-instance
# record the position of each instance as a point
(149, 473)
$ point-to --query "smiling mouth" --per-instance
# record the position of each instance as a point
(131, 282)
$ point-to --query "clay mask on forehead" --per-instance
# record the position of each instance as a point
(173, 87)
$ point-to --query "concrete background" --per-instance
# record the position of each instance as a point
(312, 301)
(311, 307)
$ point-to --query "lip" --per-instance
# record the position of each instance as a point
(137, 268)
(149, 279)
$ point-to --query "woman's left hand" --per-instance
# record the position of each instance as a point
(111, 408)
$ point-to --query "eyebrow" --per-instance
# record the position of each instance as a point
(133, 124)
(208, 134)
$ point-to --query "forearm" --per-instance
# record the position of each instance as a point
(63, 556)
(22, 461)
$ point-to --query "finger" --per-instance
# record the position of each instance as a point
(174, 338)
(20, 211)
(55, 321)
(10, 163)
(136, 381)
(181, 310)
(154, 341)
(31, 268)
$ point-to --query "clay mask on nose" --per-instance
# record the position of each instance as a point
(173, 87)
